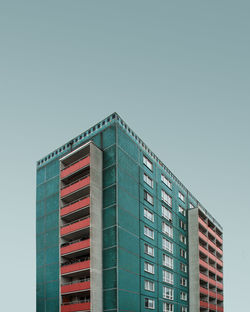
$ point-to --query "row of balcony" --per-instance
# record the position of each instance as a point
(210, 268)
(210, 255)
(212, 245)
(210, 281)
(210, 230)
(211, 306)
(211, 293)
(75, 306)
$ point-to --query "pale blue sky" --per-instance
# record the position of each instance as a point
(176, 71)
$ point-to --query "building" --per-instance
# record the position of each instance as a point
(117, 231)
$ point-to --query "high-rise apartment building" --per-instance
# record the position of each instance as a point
(117, 231)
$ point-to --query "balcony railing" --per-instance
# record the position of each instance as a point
(77, 165)
(71, 266)
(75, 226)
(75, 246)
(76, 286)
(76, 205)
(75, 306)
(76, 185)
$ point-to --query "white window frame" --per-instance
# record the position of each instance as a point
(148, 265)
(167, 261)
(181, 196)
(167, 293)
(167, 229)
(148, 180)
(183, 267)
(191, 206)
(168, 307)
(184, 309)
(166, 213)
(182, 211)
(148, 197)
(183, 281)
(183, 295)
(149, 285)
(167, 277)
(183, 253)
(183, 239)
(148, 232)
(182, 225)
(166, 198)
(167, 245)
(151, 303)
(166, 181)
(149, 250)
(148, 214)
(147, 163)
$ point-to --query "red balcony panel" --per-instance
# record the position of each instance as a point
(65, 289)
(204, 304)
(212, 282)
(212, 269)
(75, 226)
(204, 250)
(84, 306)
(76, 206)
(204, 277)
(220, 297)
(219, 262)
(76, 246)
(212, 294)
(75, 167)
(76, 186)
(211, 256)
(212, 245)
(219, 273)
(212, 306)
(203, 263)
(203, 291)
(219, 285)
(204, 237)
(78, 266)
(220, 309)
(203, 223)
(215, 235)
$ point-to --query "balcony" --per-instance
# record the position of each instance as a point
(219, 285)
(75, 307)
(76, 228)
(220, 309)
(80, 164)
(204, 250)
(212, 294)
(72, 191)
(203, 291)
(72, 268)
(212, 307)
(75, 287)
(204, 304)
(203, 223)
(204, 277)
(75, 208)
(204, 237)
(75, 248)
(220, 297)
(204, 264)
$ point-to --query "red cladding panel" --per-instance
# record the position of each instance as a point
(74, 187)
(75, 226)
(76, 246)
(212, 306)
(80, 164)
(204, 304)
(75, 287)
(203, 291)
(75, 267)
(220, 297)
(85, 306)
(73, 207)
(220, 309)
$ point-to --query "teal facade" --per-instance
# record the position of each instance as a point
(124, 240)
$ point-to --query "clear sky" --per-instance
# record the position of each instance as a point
(176, 71)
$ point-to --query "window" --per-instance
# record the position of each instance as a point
(148, 180)
(168, 293)
(148, 232)
(183, 253)
(149, 198)
(149, 303)
(148, 214)
(183, 295)
(183, 267)
(183, 239)
(149, 250)
(168, 307)
(182, 211)
(166, 213)
(166, 181)
(148, 267)
(181, 196)
(148, 163)
(191, 206)
(149, 285)
(167, 261)
(182, 225)
(167, 229)
(167, 245)
(167, 277)
(184, 309)
(166, 198)
(183, 281)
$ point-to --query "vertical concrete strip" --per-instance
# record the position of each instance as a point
(194, 281)
(96, 229)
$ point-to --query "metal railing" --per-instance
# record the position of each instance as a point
(84, 177)
(82, 280)
(77, 301)
(75, 162)
(74, 242)
(75, 201)
(72, 261)
(75, 221)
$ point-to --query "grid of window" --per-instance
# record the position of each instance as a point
(166, 181)
(148, 232)
(167, 261)
(149, 198)
(166, 213)
(149, 285)
(167, 229)
(149, 303)
(183, 267)
(182, 211)
(149, 267)
(148, 250)
(183, 239)
(148, 180)
(168, 293)
(183, 295)
(148, 214)
(167, 245)
(167, 277)
(181, 196)
(183, 281)
(148, 163)
(168, 307)
(166, 198)
(183, 253)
